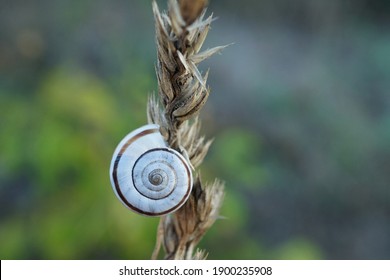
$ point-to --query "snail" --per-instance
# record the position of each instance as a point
(147, 176)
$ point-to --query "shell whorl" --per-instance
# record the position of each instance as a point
(147, 176)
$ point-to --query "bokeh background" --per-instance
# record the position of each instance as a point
(300, 113)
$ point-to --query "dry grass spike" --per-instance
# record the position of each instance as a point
(182, 93)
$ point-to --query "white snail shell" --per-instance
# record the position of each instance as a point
(147, 176)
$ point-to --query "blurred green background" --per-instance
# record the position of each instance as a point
(299, 109)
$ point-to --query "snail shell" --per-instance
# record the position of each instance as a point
(147, 176)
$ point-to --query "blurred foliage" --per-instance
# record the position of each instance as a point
(300, 113)
(56, 196)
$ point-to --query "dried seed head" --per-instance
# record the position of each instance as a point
(182, 87)
(182, 92)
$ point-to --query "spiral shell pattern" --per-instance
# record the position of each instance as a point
(147, 176)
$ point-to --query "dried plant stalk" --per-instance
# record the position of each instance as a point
(182, 92)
